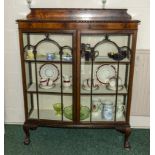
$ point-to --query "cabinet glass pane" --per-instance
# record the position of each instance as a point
(67, 108)
(105, 60)
(46, 44)
(103, 108)
(53, 107)
(30, 75)
(85, 108)
(32, 106)
(50, 107)
(49, 73)
(103, 45)
(121, 108)
(123, 76)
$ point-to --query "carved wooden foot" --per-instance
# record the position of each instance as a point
(126, 140)
(126, 131)
(26, 128)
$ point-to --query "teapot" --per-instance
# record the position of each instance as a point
(67, 81)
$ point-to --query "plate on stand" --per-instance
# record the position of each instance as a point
(105, 72)
(49, 71)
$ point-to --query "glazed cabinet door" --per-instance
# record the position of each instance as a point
(48, 60)
(104, 71)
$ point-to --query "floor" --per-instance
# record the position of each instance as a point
(60, 141)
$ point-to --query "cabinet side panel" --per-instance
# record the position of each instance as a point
(133, 48)
(23, 73)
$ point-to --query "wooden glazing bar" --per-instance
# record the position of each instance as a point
(116, 91)
(61, 52)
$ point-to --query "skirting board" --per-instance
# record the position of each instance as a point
(140, 122)
(135, 121)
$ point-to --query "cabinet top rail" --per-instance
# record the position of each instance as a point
(78, 15)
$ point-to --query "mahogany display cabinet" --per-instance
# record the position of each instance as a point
(77, 68)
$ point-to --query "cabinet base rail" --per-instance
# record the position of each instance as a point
(124, 128)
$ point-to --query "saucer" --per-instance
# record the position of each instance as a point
(46, 87)
(114, 88)
(89, 88)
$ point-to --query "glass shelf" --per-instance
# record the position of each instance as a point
(47, 114)
(44, 59)
(56, 89)
(96, 117)
(105, 59)
(103, 90)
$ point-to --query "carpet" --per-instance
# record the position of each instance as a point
(65, 141)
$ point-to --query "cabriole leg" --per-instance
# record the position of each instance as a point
(126, 131)
(126, 139)
(26, 129)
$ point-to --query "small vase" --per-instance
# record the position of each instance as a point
(103, 3)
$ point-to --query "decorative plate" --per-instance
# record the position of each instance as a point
(49, 71)
(104, 72)
(84, 112)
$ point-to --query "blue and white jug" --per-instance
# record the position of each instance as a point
(107, 110)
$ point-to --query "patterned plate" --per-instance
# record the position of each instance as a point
(49, 71)
(105, 72)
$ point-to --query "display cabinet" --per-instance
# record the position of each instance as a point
(77, 68)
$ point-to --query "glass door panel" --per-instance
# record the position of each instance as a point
(32, 106)
(121, 108)
(50, 107)
(49, 72)
(105, 60)
(85, 107)
(68, 108)
(103, 108)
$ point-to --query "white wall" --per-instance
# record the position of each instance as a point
(15, 9)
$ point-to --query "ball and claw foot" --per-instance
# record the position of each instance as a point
(27, 141)
(127, 145)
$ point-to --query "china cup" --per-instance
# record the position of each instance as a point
(88, 82)
(46, 82)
